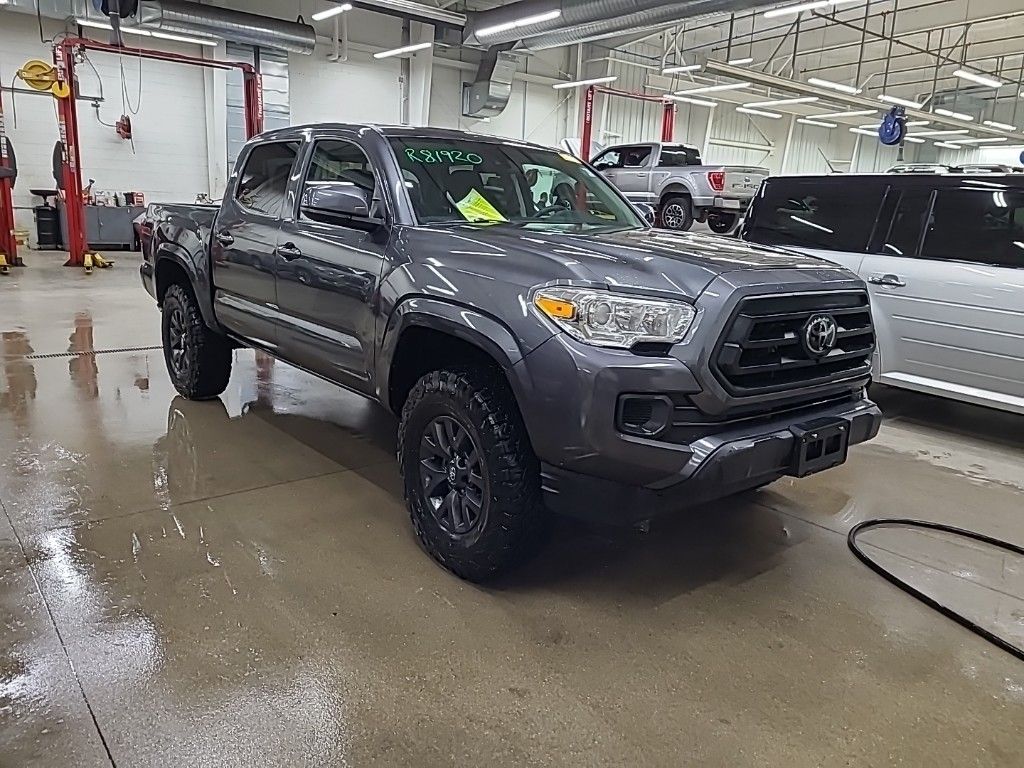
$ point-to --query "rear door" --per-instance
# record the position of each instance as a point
(244, 241)
(953, 306)
(328, 270)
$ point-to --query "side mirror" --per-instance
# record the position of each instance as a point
(336, 198)
(648, 212)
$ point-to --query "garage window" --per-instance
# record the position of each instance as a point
(829, 214)
(985, 227)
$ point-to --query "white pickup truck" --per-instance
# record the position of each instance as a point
(673, 179)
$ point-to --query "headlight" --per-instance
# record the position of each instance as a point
(607, 319)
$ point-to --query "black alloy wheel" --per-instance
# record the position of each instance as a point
(452, 476)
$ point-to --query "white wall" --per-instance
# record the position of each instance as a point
(170, 157)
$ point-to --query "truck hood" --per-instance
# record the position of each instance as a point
(650, 260)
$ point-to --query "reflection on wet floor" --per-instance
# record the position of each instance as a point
(235, 582)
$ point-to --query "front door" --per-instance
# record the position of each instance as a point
(244, 240)
(328, 269)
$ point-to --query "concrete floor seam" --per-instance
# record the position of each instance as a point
(214, 497)
(60, 637)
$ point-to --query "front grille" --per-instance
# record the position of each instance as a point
(763, 348)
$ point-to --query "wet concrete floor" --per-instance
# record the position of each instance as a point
(235, 583)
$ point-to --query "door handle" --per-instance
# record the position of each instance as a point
(225, 238)
(890, 281)
(288, 251)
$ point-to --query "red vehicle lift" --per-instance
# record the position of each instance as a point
(668, 118)
(8, 244)
(79, 254)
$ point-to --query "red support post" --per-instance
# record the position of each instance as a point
(588, 124)
(67, 115)
(8, 244)
(71, 171)
(668, 123)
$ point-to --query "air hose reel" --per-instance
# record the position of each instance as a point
(893, 129)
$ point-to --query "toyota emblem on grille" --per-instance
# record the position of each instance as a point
(820, 335)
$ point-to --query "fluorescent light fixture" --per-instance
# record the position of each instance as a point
(792, 10)
(526, 21)
(759, 113)
(950, 113)
(698, 102)
(333, 11)
(864, 131)
(961, 132)
(713, 88)
(1002, 126)
(983, 141)
(912, 140)
(869, 126)
(148, 33)
(404, 49)
(740, 62)
(855, 113)
(780, 102)
(682, 68)
(917, 123)
(974, 77)
(842, 88)
(591, 81)
(822, 123)
(947, 145)
(902, 102)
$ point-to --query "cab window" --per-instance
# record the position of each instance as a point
(263, 184)
(342, 162)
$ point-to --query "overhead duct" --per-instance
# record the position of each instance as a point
(581, 21)
(237, 26)
(488, 95)
(183, 16)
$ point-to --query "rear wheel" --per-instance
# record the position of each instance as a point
(722, 223)
(677, 214)
(198, 358)
(472, 482)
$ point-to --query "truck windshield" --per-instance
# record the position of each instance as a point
(452, 181)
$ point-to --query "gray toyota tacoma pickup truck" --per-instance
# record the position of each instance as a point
(545, 349)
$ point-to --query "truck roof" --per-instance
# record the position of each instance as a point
(391, 131)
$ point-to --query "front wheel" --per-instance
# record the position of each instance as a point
(472, 482)
(677, 214)
(198, 358)
(722, 223)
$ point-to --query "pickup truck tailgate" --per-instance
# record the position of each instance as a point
(743, 182)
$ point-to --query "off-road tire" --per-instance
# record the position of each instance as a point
(198, 358)
(513, 518)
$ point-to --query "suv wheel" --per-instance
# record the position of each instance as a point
(198, 359)
(722, 223)
(677, 214)
(472, 482)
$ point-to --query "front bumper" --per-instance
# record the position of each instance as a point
(718, 466)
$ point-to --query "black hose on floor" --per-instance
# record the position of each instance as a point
(946, 611)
